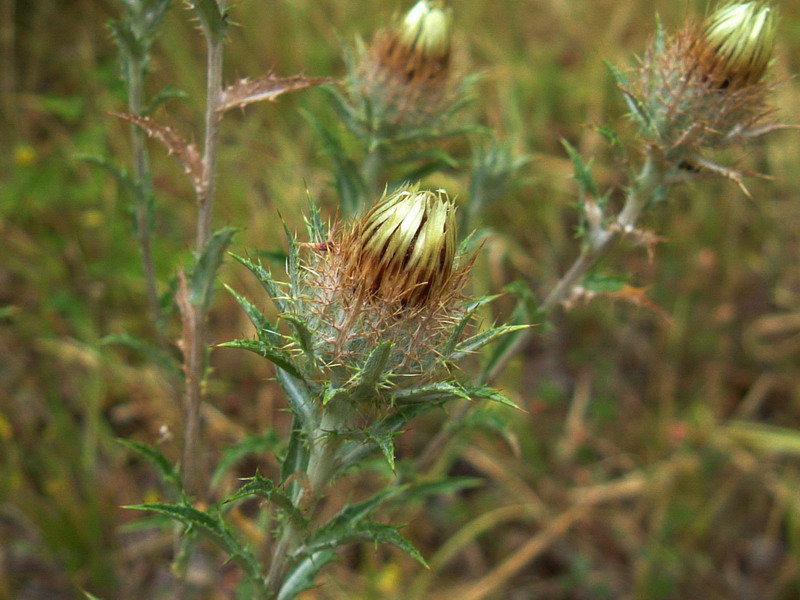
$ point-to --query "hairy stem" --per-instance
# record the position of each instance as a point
(643, 188)
(649, 179)
(321, 466)
(195, 359)
(144, 196)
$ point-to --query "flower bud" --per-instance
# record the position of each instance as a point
(737, 43)
(404, 76)
(426, 29)
(403, 249)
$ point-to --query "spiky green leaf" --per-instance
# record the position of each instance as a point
(212, 525)
(476, 342)
(266, 332)
(458, 330)
(302, 335)
(583, 171)
(301, 575)
(262, 487)
(201, 283)
(211, 16)
(275, 356)
(374, 369)
(317, 233)
(427, 393)
(480, 392)
(636, 108)
(155, 457)
(267, 282)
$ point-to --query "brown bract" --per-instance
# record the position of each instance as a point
(405, 85)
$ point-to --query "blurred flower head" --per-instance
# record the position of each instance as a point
(737, 41)
(404, 75)
(703, 87)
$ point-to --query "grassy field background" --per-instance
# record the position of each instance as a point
(657, 453)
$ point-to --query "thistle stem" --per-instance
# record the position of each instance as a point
(644, 186)
(195, 358)
(321, 466)
(374, 163)
(144, 196)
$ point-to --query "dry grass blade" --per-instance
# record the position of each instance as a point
(186, 153)
(267, 87)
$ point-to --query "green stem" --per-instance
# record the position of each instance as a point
(144, 197)
(321, 467)
(371, 170)
(195, 359)
(642, 190)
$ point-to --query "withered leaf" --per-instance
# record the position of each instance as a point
(267, 87)
(186, 153)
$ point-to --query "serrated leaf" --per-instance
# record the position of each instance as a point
(362, 531)
(213, 19)
(155, 457)
(476, 342)
(201, 282)
(302, 336)
(301, 575)
(458, 330)
(427, 393)
(384, 440)
(267, 87)
(272, 354)
(480, 392)
(267, 282)
(186, 153)
(316, 229)
(212, 526)
(374, 369)
(583, 173)
(636, 108)
(264, 488)
(266, 332)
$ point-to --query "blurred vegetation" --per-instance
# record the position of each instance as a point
(657, 455)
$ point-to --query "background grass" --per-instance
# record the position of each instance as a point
(657, 454)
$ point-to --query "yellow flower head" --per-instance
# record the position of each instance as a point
(738, 40)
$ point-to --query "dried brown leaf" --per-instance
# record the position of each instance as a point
(186, 153)
(267, 87)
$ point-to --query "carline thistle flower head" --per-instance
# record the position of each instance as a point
(736, 44)
(403, 249)
(393, 276)
(704, 87)
(405, 72)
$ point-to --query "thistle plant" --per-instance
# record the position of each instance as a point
(373, 313)
(700, 90)
(375, 319)
(401, 95)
